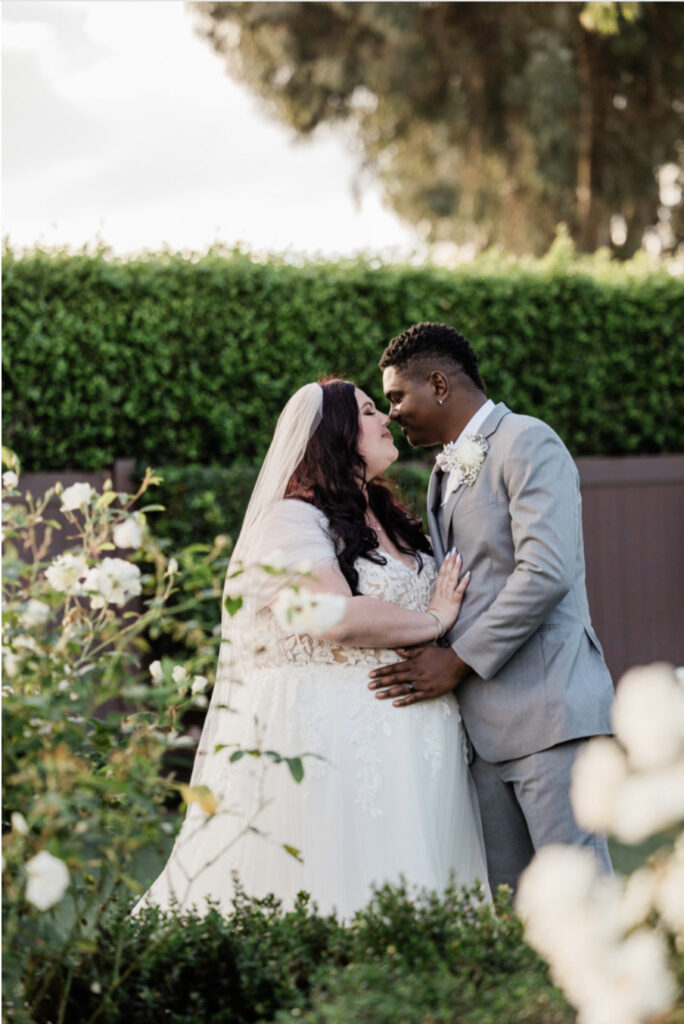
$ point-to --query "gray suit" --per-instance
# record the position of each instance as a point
(539, 681)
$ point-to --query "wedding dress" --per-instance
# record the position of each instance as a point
(386, 792)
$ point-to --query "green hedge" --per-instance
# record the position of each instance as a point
(175, 360)
(202, 502)
(447, 961)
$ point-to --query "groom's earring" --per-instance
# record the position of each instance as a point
(440, 401)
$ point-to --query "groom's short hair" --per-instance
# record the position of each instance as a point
(415, 347)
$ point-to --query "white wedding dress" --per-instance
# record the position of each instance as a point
(386, 792)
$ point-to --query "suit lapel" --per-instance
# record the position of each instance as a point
(433, 496)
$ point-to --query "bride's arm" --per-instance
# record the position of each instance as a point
(370, 622)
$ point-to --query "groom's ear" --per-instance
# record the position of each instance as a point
(439, 384)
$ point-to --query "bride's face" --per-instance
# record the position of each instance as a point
(375, 443)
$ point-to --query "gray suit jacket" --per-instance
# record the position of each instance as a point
(539, 677)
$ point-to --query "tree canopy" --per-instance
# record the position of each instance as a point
(485, 122)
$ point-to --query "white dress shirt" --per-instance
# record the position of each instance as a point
(453, 481)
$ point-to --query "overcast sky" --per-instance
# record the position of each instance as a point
(120, 124)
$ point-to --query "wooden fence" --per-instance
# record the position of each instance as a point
(634, 543)
(633, 518)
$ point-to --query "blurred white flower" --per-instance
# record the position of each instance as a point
(647, 803)
(669, 897)
(48, 878)
(201, 701)
(199, 684)
(648, 715)
(10, 479)
(172, 567)
(18, 822)
(179, 674)
(636, 984)
(638, 898)
(559, 899)
(35, 614)
(156, 672)
(10, 662)
(114, 581)
(304, 612)
(66, 573)
(76, 496)
(275, 559)
(174, 739)
(129, 533)
(600, 767)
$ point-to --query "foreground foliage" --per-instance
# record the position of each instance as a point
(403, 958)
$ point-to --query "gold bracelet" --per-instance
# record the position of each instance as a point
(441, 628)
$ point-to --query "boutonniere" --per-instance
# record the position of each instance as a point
(466, 457)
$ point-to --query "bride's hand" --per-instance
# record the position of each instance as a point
(449, 590)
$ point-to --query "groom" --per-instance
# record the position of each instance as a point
(529, 671)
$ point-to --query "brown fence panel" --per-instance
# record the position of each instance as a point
(634, 545)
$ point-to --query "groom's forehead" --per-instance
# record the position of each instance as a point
(398, 379)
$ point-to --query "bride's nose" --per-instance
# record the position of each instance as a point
(385, 419)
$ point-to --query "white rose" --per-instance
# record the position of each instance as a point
(636, 984)
(10, 662)
(201, 701)
(48, 878)
(172, 567)
(156, 672)
(129, 533)
(303, 612)
(66, 573)
(275, 559)
(77, 496)
(567, 905)
(35, 614)
(199, 684)
(647, 803)
(648, 715)
(19, 824)
(10, 479)
(470, 455)
(114, 581)
(669, 898)
(600, 767)
(637, 898)
(179, 675)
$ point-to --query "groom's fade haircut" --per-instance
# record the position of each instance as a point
(430, 346)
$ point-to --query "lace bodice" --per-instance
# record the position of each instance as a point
(396, 582)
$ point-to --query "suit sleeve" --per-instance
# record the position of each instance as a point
(544, 506)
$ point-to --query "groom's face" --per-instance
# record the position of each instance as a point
(413, 405)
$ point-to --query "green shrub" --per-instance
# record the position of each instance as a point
(204, 502)
(174, 360)
(448, 959)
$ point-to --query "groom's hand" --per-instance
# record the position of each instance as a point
(427, 672)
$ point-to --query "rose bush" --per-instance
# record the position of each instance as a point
(85, 735)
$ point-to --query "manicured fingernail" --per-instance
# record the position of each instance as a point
(467, 575)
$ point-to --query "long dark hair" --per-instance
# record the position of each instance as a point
(330, 476)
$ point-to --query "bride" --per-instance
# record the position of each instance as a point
(384, 795)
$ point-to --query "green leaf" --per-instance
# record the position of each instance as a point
(294, 852)
(232, 605)
(236, 755)
(296, 768)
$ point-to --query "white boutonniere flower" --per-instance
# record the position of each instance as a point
(466, 458)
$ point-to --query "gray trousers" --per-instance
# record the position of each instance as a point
(525, 804)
